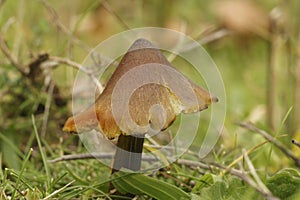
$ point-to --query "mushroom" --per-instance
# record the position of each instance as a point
(143, 95)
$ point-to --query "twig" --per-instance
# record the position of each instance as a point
(212, 36)
(271, 139)
(260, 186)
(7, 53)
(295, 142)
(44, 58)
(77, 66)
(70, 63)
(215, 36)
(62, 27)
(93, 156)
(190, 163)
(250, 182)
(17, 189)
(207, 31)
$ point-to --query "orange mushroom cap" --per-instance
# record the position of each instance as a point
(143, 99)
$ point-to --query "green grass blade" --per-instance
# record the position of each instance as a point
(55, 181)
(206, 181)
(44, 157)
(16, 174)
(284, 120)
(75, 176)
(21, 172)
(12, 145)
(139, 183)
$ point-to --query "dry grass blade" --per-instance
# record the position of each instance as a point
(62, 27)
(57, 191)
(111, 11)
(260, 185)
(272, 140)
(208, 38)
(5, 50)
(241, 157)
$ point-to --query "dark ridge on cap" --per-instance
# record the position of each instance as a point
(215, 99)
(142, 44)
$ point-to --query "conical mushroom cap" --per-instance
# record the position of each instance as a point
(144, 93)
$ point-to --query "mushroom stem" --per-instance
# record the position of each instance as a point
(129, 153)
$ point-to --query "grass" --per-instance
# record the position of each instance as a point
(44, 158)
(26, 172)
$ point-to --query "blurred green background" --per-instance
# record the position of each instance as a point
(255, 45)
